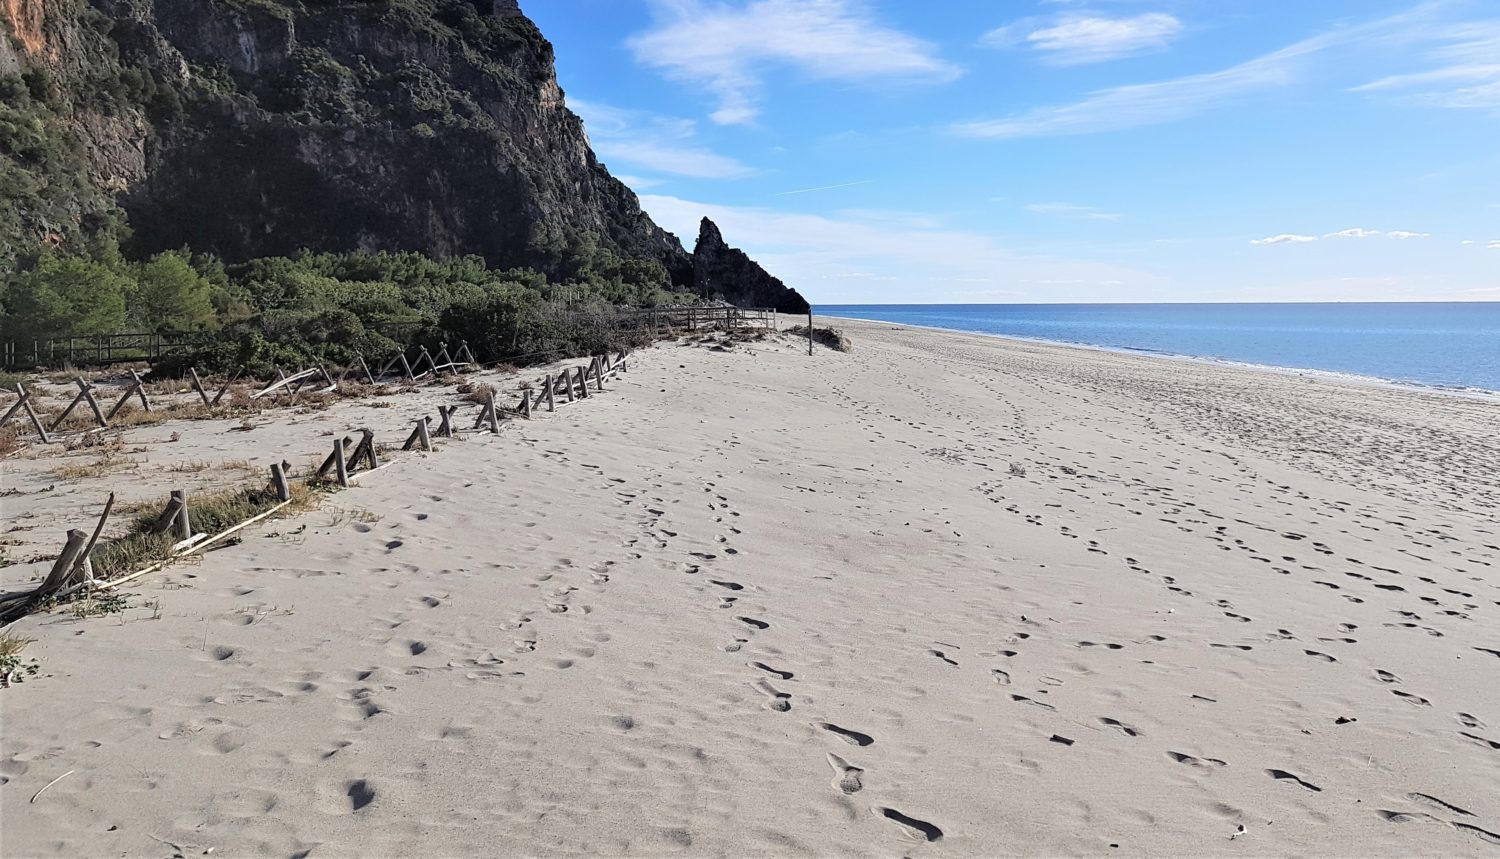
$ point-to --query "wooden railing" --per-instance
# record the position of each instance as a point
(97, 349)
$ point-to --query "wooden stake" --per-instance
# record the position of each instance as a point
(406, 368)
(140, 388)
(525, 408)
(583, 383)
(598, 375)
(551, 403)
(445, 426)
(198, 385)
(338, 462)
(184, 524)
(278, 480)
(489, 412)
(63, 568)
(419, 436)
(129, 392)
(567, 382)
(329, 460)
(369, 377)
(220, 394)
(168, 516)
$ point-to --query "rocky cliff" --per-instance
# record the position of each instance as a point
(252, 128)
(726, 273)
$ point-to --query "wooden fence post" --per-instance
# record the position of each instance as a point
(583, 383)
(66, 562)
(369, 377)
(525, 407)
(182, 523)
(26, 405)
(551, 403)
(198, 385)
(489, 409)
(340, 468)
(278, 480)
(220, 394)
(419, 436)
(445, 426)
(598, 375)
(88, 396)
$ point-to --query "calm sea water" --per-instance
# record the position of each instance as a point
(1443, 344)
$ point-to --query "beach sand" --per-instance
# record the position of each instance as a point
(943, 595)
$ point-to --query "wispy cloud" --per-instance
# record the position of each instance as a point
(1164, 101)
(1352, 233)
(1494, 246)
(1070, 210)
(651, 141)
(1074, 39)
(727, 47)
(1284, 239)
(1466, 74)
(1407, 234)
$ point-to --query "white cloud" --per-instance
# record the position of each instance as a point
(1284, 238)
(1494, 246)
(1069, 210)
(1135, 105)
(661, 143)
(726, 48)
(1467, 74)
(1406, 234)
(864, 255)
(1352, 233)
(1074, 39)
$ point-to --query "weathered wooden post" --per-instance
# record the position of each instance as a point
(340, 468)
(66, 562)
(369, 377)
(525, 407)
(198, 385)
(489, 409)
(25, 404)
(419, 436)
(182, 523)
(225, 388)
(598, 366)
(809, 330)
(547, 386)
(583, 383)
(565, 379)
(278, 480)
(445, 427)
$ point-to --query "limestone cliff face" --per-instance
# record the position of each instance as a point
(726, 273)
(256, 127)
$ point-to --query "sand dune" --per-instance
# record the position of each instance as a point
(943, 595)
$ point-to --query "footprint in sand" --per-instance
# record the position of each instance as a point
(846, 776)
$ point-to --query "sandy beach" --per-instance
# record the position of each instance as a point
(943, 595)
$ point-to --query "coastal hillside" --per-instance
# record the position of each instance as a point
(259, 128)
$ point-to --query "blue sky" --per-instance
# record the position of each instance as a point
(1054, 151)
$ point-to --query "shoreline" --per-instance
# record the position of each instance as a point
(1354, 379)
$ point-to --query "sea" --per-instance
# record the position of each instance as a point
(1448, 345)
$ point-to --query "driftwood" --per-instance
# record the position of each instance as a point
(285, 381)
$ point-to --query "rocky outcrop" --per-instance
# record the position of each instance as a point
(727, 274)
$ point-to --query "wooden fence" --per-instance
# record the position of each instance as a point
(98, 349)
(104, 349)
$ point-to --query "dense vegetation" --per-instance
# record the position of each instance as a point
(329, 307)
